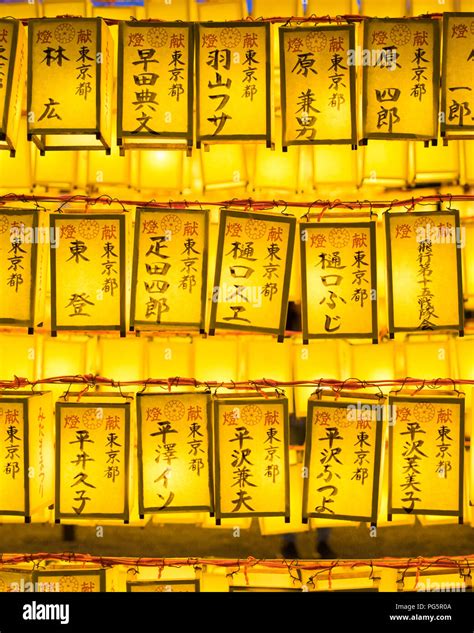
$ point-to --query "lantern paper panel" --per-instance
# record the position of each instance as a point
(457, 103)
(22, 267)
(15, 579)
(251, 444)
(169, 281)
(435, 579)
(175, 453)
(88, 272)
(69, 580)
(341, 579)
(155, 85)
(27, 456)
(160, 586)
(317, 85)
(424, 271)
(253, 269)
(401, 79)
(426, 455)
(342, 458)
(70, 83)
(233, 82)
(93, 458)
(339, 280)
(12, 80)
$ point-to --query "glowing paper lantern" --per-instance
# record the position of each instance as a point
(339, 282)
(169, 279)
(233, 82)
(12, 80)
(88, 272)
(253, 268)
(342, 457)
(317, 85)
(426, 455)
(251, 444)
(169, 580)
(70, 82)
(342, 578)
(22, 274)
(457, 103)
(13, 579)
(26, 459)
(400, 79)
(174, 453)
(155, 85)
(92, 458)
(424, 271)
(435, 579)
(69, 580)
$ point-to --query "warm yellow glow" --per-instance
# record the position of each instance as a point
(13, 56)
(173, 453)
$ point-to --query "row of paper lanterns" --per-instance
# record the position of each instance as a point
(228, 456)
(70, 82)
(65, 576)
(170, 267)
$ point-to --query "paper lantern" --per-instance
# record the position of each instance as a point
(26, 459)
(233, 82)
(340, 579)
(457, 103)
(253, 268)
(19, 355)
(223, 167)
(251, 460)
(170, 356)
(22, 274)
(426, 455)
(70, 83)
(17, 174)
(169, 580)
(12, 80)
(155, 85)
(88, 272)
(436, 164)
(424, 264)
(15, 579)
(385, 164)
(400, 79)
(335, 166)
(428, 359)
(317, 85)
(342, 457)
(435, 579)
(92, 457)
(218, 359)
(261, 579)
(69, 580)
(339, 282)
(370, 362)
(174, 453)
(169, 279)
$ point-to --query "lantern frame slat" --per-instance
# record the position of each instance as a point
(125, 515)
(392, 327)
(125, 137)
(307, 334)
(238, 138)
(157, 510)
(35, 266)
(454, 132)
(436, 83)
(316, 402)
(352, 90)
(236, 399)
(139, 324)
(413, 398)
(39, 135)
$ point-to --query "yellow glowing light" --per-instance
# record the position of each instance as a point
(12, 82)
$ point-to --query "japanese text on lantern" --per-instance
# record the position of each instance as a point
(170, 268)
(77, 581)
(87, 272)
(343, 460)
(318, 85)
(63, 59)
(6, 40)
(233, 81)
(18, 265)
(175, 468)
(253, 268)
(338, 280)
(401, 78)
(426, 447)
(251, 457)
(92, 460)
(155, 81)
(12, 457)
(424, 263)
(457, 101)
